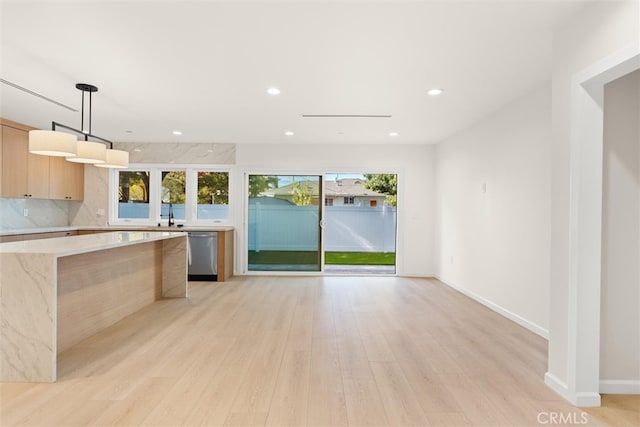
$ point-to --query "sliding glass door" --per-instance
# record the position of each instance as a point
(285, 213)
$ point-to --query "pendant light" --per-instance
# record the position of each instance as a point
(94, 153)
(116, 159)
(54, 143)
(88, 152)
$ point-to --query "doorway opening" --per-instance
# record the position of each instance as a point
(333, 223)
(360, 217)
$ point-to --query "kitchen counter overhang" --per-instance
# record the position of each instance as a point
(57, 292)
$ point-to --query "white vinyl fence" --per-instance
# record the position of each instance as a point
(346, 229)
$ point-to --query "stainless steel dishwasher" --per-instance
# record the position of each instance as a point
(203, 256)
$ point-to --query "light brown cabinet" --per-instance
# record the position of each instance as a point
(36, 236)
(66, 179)
(50, 235)
(11, 238)
(225, 255)
(35, 176)
(14, 164)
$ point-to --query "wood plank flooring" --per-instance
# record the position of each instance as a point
(293, 351)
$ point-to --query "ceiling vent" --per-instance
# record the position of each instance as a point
(36, 94)
(358, 116)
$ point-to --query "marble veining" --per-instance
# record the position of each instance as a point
(117, 228)
(27, 332)
(174, 268)
(181, 153)
(28, 286)
(72, 245)
(41, 213)
(93, 209)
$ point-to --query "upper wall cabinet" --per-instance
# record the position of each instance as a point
(34, 176)
(66, 179)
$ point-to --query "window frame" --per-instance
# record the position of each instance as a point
(155, 194)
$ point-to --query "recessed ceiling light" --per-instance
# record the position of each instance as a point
(209, 151)
(273, 91)
(177, 132)
(393, 133)
(289, 133)
(128, 131)
(137, 150)
(435, 91)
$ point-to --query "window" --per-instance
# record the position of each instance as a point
(328, 201)
(349, 200)
(147, 194)
(133, 194)
(373, 203)
(213, 195)
(174, 194)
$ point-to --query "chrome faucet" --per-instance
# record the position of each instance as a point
(171, 221)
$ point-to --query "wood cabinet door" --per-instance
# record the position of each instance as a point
(76, 181)
(15, 149)
(37, 174)
(66, 179)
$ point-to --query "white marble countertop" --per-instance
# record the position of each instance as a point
(73, 245)
(35, 230)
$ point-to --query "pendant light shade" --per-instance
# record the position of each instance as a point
(52, 143)
(89, 152)
(116, 159)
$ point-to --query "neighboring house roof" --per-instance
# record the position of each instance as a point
(349, 187)
(340, 188)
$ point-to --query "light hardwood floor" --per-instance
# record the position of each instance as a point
(306, 351)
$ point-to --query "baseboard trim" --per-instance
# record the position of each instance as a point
(556, 385)
(536, 329)
(417, 275)
(581, 399)
(620, 386)
(587, 400)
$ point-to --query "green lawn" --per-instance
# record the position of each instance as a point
(311, 257)
(360, 258)
(283, 257)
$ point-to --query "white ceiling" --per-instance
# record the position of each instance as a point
(204, 67)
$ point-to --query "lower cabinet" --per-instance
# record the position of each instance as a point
(225, 255)
(36, 236)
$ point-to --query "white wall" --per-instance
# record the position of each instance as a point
(494, 244)
(601, 30)
(414, 165)
(620, 318)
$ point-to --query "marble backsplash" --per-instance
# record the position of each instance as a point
(95, 206)
(41, 213)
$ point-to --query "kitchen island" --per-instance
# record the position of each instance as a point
(56, 292)
(225, 248)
